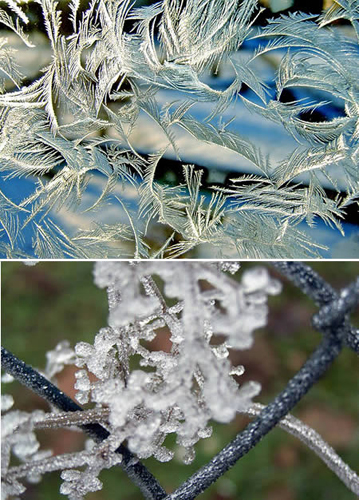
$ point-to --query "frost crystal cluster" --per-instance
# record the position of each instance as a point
(160, 367)
(117, 74)
(198, 312)
(18, 439)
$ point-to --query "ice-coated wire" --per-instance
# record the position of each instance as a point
(335, 312)
(316, 443)
(334, 306)
(29, 377)
(353, 339)
(270, 416)
(307, 280)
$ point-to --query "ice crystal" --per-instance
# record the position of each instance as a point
(78, 483)
(59, 357)
(19, 439)
(204, 312)
(7, 402)
(7, 378)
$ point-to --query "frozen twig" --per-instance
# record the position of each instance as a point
(69, 419)
(289, 423)
(29, 377)
(51, 464)
(316, 443)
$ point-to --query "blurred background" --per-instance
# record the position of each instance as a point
(53, 301)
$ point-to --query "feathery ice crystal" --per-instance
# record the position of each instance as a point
(107, 86)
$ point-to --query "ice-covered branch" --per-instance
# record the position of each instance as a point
(297, 387)
(289, 423)
(29, 377)
(51, 464)
(69, 419)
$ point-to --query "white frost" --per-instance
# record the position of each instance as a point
(186, 380)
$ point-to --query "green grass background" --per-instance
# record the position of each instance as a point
(53, 301)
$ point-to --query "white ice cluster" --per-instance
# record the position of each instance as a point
(162, 364)
(78, 483)
(18, 439)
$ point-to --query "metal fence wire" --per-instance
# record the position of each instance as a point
(331, 320)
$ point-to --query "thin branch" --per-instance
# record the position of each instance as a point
(152, 290)
(29, 377)
(76, 418)
(316, 443)
(50, 464)
(172, 322)
(296, 388)
(289, 423)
